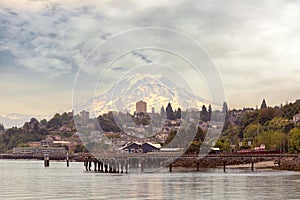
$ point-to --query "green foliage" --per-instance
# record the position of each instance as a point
(170, 137)
(265, 115)
(232, 133)
(272, 140)
(252, 130)
(54, 123)
(290, 110)
(294, 139)
(223, 145)
(248, 118)
(108, 124)
(15, 137)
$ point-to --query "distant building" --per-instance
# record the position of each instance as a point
(85, 115)
(40, 151)
(134, 147)
(296, 118)
(141, 107)
(153, 110)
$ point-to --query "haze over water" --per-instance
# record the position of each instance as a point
(30, 180)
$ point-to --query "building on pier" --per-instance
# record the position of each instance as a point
(135, 147)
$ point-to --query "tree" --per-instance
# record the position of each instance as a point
(272, 139)
(290, 110)
(263, 104)
(54, 123)
(233, 133)
(178, 114)
(265, 138)
(224, 108)
(43, 122)
(223, 145)
(170, 112)
(203, 114)
(265, 115)
(162, 112)
(209, 112)
(294, 139)
(2, 129)
(252, 130)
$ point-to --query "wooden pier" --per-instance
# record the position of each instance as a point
(121, 163)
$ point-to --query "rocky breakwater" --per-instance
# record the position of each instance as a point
(292, 164)
(208, 162)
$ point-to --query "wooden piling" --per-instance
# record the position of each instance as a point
(122, 165)
(106, 168)
(67, 158)
(142, 164)
(46, 160)
(94, 160)
(89, 163)
(126, 166)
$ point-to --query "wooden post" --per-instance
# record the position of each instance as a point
(224, 165)
(126, 166)
(89, 163)
(170, 168)
(98, 163)
(95, 164)
(67, 159)
(142, 165)
(46, 160)
(122, 165)
(86, 163)
(198, 166)
(106, 168)
(252, 164)
(101, 166)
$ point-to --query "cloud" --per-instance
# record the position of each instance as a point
(249, 41)
(141, 56)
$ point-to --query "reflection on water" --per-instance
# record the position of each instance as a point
(30, 180)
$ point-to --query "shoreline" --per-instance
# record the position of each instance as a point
(258, 165)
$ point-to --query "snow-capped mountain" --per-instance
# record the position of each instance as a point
(156, 90)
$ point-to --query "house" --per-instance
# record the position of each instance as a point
(135, 147)
(296, 118)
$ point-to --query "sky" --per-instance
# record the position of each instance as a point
(254, 45)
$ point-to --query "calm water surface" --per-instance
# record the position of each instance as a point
(30, 180)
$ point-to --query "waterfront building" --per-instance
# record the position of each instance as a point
(40, 151)
(85, 115)
(141, 107)
(296, 118)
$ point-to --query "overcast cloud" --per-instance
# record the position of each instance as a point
(255, 45)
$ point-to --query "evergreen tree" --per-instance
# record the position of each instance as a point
(209, 112)
(203, 114)
(225, 108)
(178, 114)
(170, 112)
(263, 104)
(162, 112)
(2, 129)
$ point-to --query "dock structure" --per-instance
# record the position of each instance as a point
(122, 163)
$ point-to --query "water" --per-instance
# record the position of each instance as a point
(30, 180)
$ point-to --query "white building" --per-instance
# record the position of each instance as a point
(296, 118)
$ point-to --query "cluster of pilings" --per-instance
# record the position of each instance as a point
(106, 165)
(121, 165)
